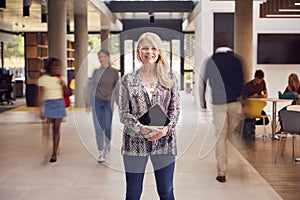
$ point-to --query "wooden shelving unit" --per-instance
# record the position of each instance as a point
(36, 53)
(70, 55)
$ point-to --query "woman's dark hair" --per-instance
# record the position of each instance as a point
(259, 74)
(52, 62)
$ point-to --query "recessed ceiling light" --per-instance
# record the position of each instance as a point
(283, 15)
(289, 10)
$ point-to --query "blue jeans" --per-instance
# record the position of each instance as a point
(102, 117)
(163, 170)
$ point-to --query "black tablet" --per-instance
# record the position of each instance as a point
(155, 117)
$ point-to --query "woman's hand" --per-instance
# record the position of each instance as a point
(41, 115)
(88, 109)
(156, 132)
(256, 95)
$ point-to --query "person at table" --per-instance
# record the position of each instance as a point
(256, 88)
(293, 87)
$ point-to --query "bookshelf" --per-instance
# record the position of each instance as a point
(36, 54)
(70, 55)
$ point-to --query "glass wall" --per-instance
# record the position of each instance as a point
(172, 49)
(14, 56)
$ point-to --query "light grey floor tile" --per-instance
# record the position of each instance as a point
(26, 174)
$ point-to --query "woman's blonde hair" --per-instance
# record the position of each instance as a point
(295, 82)
(162, 67)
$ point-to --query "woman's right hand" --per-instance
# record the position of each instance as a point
(150, 129)
(145, 130)
(153, 133)
(88, 109)
(42, 117)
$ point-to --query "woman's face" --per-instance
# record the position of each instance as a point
(55, 69)
(148, 53)
(291, 81)
(103, 59)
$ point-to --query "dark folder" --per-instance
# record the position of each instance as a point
(155, 117)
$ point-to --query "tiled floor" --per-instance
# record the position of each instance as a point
(26, 174)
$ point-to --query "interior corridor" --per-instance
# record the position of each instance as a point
(26, 174)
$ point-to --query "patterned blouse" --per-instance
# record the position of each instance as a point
(134, 101)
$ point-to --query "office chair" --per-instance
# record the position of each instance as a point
(252, 110)
(290, 124)
(6, 89)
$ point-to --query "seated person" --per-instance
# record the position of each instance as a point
(256, 88)
(292, 87)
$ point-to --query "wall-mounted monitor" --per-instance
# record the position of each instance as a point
(278, 49)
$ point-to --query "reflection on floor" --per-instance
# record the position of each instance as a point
(26, 174)
(6, 107)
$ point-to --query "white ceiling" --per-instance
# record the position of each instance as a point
(12, 20)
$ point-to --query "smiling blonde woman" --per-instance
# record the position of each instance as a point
(152, 84)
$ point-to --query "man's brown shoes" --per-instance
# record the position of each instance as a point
(221, 179)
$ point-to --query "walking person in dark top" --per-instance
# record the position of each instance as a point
(224, 73)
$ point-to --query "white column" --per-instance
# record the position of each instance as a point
(105, 39)
(81, 51)
(57, 19)
(243, 34)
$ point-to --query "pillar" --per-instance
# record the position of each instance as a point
(57, 16)
(2, 54)
(81, 51)
(105, 39)
(104, 32)
(243, 31)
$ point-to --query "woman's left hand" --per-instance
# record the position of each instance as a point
(157, 133)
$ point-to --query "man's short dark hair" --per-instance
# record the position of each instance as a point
(221, 39)
(259, 74)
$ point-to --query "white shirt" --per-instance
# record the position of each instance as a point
(223, 49)
(52, 87)
(150, 92)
